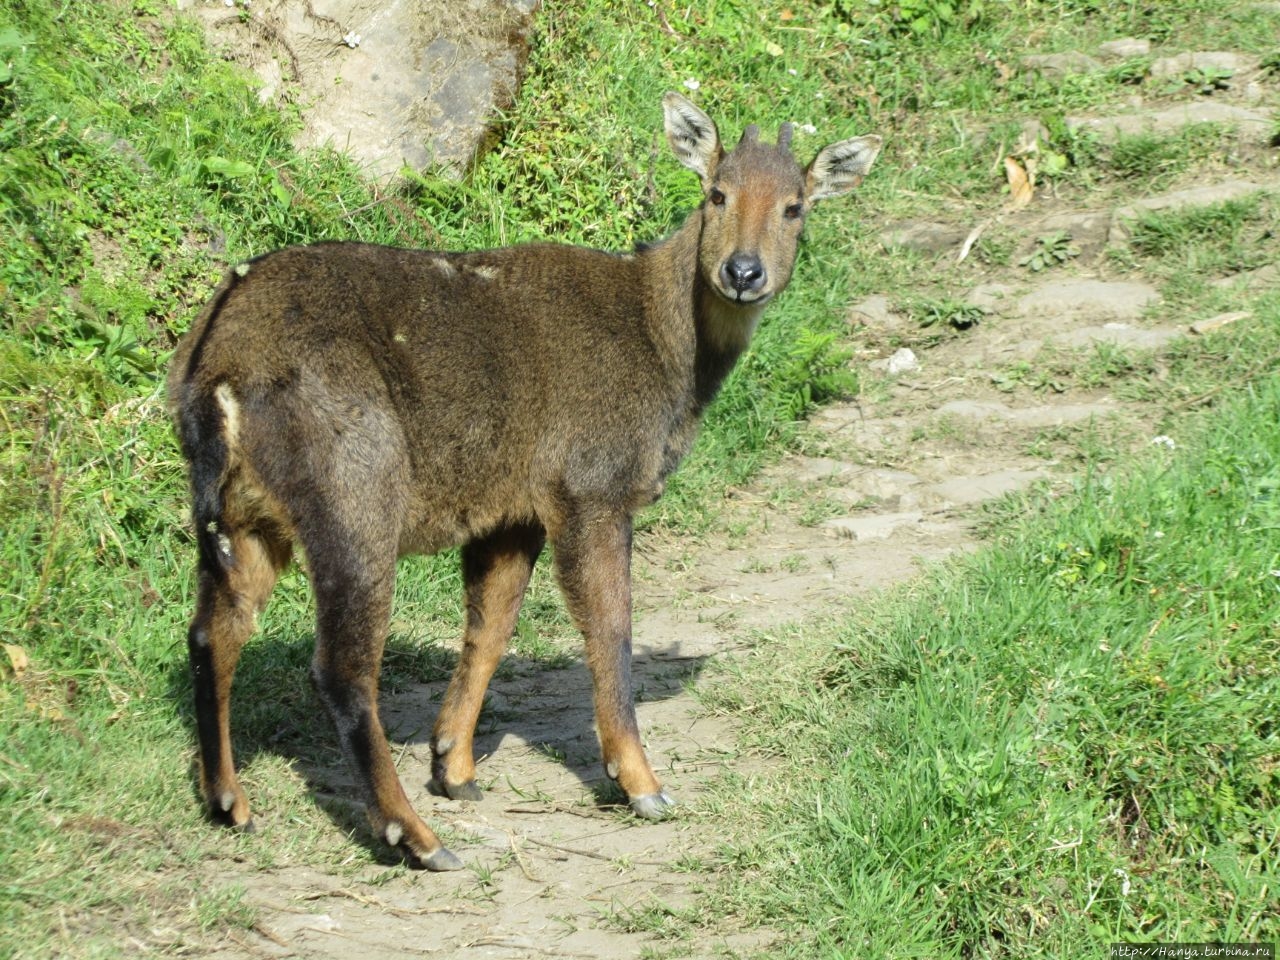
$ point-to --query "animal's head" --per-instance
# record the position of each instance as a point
(756, 198)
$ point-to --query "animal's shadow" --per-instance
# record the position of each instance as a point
(546, 703)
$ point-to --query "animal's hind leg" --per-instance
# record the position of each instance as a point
(233, 590)
(495, 573)
(353, 607)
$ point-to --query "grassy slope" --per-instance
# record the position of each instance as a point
(134, 165)
(1065, 740)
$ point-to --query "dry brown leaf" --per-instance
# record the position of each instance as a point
(18, 663)
(1021, 189)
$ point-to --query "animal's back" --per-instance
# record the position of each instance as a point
(491, 379)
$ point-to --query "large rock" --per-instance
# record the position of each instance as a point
(392, 83)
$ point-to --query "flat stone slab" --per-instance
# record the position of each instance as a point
(1204, 196)
(1253, 124)
(390, 83)
(1084, 225)
(1120, 334)
(1044, 416)
(1058, 65)
(987, 486)
(1100, 300)
(1263, 278)
(1124, 48)
(923, 236)
(883, 483)
(878, 526)
(1222, 62)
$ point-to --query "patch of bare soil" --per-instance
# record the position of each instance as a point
(892, 482)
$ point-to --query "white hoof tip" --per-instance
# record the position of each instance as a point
(653, 806)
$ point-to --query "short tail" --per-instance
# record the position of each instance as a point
(201, 427)
(202, 432)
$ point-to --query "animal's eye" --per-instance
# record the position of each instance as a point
(716, 196)
(793, 211)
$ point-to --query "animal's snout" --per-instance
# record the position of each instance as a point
(743, 272)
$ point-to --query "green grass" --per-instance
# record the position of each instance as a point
(1065, 740)
(134, 166)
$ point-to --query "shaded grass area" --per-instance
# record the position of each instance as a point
(1067, 739)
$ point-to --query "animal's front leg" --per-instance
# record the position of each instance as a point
(495, 570)
(593, 562)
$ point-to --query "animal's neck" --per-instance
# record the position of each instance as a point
(694, 320)
(723, 331)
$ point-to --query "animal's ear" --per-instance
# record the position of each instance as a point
(692, 135)
(840, 167)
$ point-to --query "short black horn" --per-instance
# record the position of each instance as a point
(784, 136)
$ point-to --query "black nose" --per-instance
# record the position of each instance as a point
(743, 272)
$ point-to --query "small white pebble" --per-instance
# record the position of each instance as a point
(1163, 441)
(808, 128)
(352, 39)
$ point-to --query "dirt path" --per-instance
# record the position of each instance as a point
(892, 482)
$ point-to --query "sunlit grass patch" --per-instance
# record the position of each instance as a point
(1068, 738)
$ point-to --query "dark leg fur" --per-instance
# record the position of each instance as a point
(353, 606)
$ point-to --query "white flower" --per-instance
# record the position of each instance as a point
(808, 128)
(691, 84)
(352, 39)
(1163, 441)
(1124, 881)
(1157, 534)
(792, 72)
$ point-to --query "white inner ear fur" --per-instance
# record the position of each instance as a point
(692, 135)
(840, 167)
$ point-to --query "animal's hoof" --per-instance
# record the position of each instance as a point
(456, 791)
(653, 806)
(464, 791)
(228, 819)
(441, 861)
